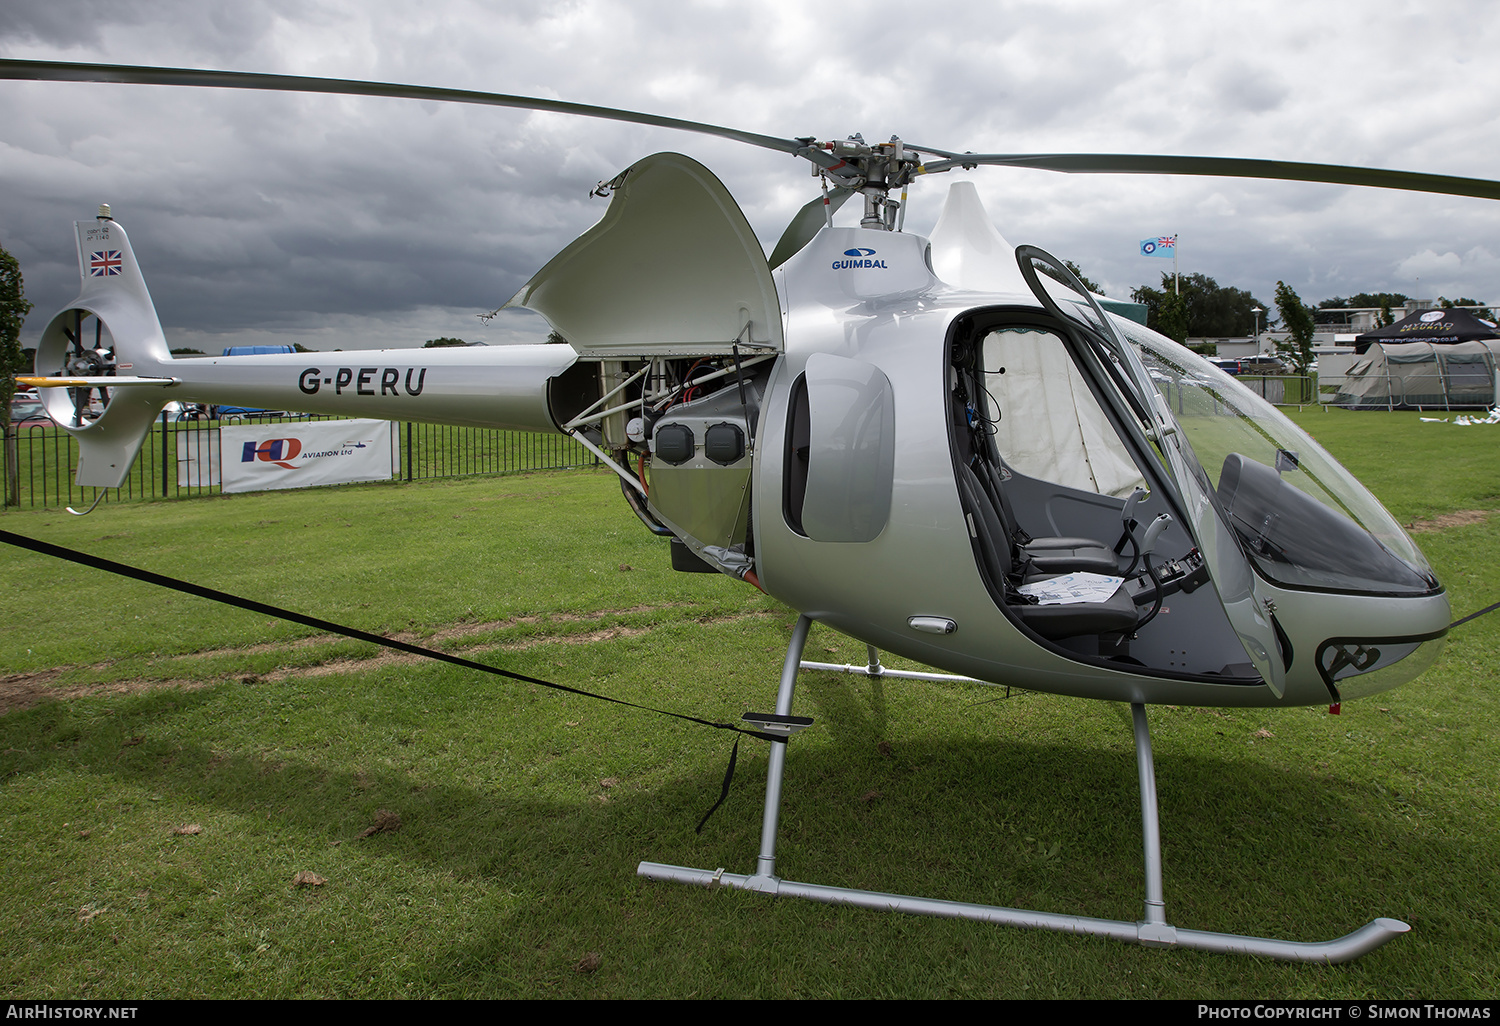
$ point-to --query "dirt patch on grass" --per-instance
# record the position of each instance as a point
(389, 658)
(456, 632)
(1463, 518)
(468, 630)
(23, 690)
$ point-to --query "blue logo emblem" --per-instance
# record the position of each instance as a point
(858, 257)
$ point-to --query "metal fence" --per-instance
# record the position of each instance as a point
(46, 457)
(1297, 390)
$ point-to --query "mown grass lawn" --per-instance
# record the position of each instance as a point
(137, 715)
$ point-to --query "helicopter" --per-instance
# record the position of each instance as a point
(945, 447)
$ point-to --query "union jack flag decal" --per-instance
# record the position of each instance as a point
(105, 263)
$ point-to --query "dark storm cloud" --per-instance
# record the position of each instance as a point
(267, 210)
(288, 213)
(220, 30)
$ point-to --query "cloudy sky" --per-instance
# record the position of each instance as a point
(359, 222)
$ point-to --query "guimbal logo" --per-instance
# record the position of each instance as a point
(273, 450)
(858, 258)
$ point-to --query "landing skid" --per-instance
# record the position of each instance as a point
(1152, 931)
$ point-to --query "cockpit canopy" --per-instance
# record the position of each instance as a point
(1302, 519)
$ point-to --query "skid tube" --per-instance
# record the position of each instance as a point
(1152, 930)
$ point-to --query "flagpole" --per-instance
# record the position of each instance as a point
(1176, 286)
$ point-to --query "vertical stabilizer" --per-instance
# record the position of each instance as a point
(110, 329)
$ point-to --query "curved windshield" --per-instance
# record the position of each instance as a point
(1304, 519)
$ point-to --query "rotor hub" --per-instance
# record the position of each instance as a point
(871, 170)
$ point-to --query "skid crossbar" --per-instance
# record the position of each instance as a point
(1152, 931)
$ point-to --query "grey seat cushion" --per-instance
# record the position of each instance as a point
(1065, 555)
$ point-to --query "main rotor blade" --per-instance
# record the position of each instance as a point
(63, 71)
(1073, 163)
(805, 224)
(1222, 167)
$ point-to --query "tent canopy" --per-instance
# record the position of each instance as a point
(1439, 326)
(1421, 375)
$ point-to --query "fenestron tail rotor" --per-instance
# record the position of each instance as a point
(82, 362)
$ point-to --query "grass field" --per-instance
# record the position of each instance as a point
(169, 766)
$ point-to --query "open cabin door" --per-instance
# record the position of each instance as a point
(672, 269)
(1060, 292)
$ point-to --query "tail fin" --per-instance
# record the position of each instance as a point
(110, 330)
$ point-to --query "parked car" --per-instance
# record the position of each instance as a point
(26, 410)
(1228, 366)
(1262, 364)
(233, 413)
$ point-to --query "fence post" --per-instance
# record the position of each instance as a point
(164, 453)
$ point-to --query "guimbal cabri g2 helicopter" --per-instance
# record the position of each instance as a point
(946, 448)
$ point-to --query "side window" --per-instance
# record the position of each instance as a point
(795, 488)
(1046, 422)
(841, 451)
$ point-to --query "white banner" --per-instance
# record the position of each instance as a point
(197, 458)
(256, 457)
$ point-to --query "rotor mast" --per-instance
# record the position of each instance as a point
(870, 170)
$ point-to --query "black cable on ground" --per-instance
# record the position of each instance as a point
(1474, 616)
(213, 595)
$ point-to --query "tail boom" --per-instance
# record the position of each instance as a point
(525, 387)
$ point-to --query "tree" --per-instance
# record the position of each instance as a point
(1369, 300)
(434, 343)
(13, 311)
(1297, 321)
(1449, 304)
(1091, 286)
(1328, 311)
(1211, 310)
(1172, 317)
